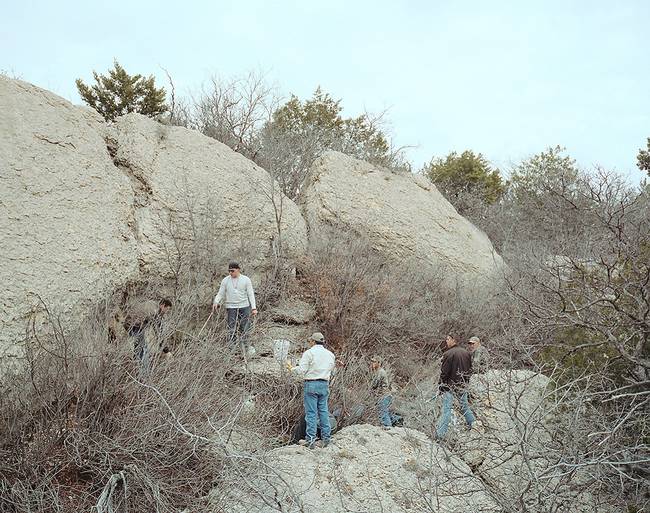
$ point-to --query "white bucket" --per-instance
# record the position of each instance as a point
(281, 350)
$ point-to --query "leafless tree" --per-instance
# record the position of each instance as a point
(234, 111)
(588, 312)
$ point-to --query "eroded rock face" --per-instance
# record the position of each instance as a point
(293, 311)
(86, 207)
(364, 469)
(65, 210)
(402, 216)
(512, 406)
(188, 184)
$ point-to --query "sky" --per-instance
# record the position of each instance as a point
(503, 78)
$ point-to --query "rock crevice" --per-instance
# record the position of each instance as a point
(86, 213)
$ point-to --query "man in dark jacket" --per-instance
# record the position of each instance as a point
(455, 372)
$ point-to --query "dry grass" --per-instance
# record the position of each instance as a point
(81, 427)
(364, 307)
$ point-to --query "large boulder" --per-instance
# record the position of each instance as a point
(188, 185)
(65, 211)
(88, 206)
(512, 405)
(364, 469)
(519, 451)
(403, 216)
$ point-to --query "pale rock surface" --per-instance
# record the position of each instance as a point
(514, 451)
(515, 448)
(266, 368)
(402, 215)
(512, 407)
(183, 178)
(87, 206)
(293, 311)
(364, 469)
(65, 211)
(295, 334)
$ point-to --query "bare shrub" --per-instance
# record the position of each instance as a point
(288, 152)
(234, 111)
(78, 418)
(367, 304)
(239, 112)
(82, 428)
(585, 297)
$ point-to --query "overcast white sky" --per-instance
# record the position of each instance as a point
(504, 78)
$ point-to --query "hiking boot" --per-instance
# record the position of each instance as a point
(311, 444)
(386, 428)
(325, 443)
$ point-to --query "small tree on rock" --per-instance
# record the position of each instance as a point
(299, 131)
(466, 175)
(643, 159)
(119, 93)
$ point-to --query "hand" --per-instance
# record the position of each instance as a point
(254, 311)
(215, 307)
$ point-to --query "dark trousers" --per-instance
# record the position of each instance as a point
(238, 320)
(140, 349)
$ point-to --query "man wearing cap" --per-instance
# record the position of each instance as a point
(236, 291)
(480, 355)
(455, 372)
(316, 366)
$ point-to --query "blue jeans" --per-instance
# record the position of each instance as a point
(383, 404)
(445, 414)
(316, 395)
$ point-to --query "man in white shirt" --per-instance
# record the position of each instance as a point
(236, 290)
(316, 366)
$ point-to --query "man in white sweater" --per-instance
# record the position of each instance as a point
(316, 366)
(236, 290)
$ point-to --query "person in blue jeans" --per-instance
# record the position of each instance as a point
(455, 373)
(316, 366)
(381, 387)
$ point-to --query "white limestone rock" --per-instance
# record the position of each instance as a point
(402, 215)
(185, 180)
(66, 212)
(364, 469)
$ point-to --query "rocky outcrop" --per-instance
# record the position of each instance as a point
(86, 207)
(65, 211)
(512, 406)
(293, 311)
(518, 451)
(403, 216)
(189, 185)
(514, 459)
(364, 469)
